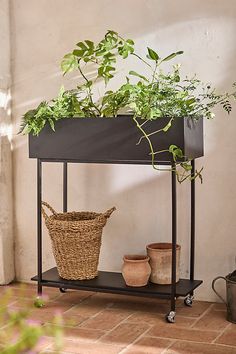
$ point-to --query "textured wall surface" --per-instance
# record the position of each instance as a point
(6, 231)
(42, 32)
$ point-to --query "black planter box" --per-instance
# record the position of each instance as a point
(114, 140)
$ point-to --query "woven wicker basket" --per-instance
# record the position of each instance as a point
(76, 241)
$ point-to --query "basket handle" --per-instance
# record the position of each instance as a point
(108, 213)
(45, 215)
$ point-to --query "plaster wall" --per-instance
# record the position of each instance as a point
(42, 32)
(6, 230)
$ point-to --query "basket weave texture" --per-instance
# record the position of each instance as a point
(76, 241)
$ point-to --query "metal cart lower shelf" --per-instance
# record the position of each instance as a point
(111, 282)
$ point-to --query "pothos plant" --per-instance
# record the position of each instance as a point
(145, 97)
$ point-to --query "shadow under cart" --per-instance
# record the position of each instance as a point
(61, 146)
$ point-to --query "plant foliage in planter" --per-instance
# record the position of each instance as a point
(145, 97)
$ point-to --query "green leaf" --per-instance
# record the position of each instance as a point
(81, 45)
(186, 166)
(190, 101)
(39, 302)
(130, 41)
(167, 127)
(134, 73)
(78, 53)
(89, 84)
(125, 54)
(86, 59)
(61, 91)
(109, 68)
(90, 44)
(69, 63)
(111, 32)
(173, 55)
(176, 152)
(152, 54)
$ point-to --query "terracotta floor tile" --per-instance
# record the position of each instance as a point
(105, 320)
(148, 345)
(33, 287)
(53, 352)
(72, 346)
(169, 331)
(43, 343)
(155, 318)
(74, 297)
(108, 323)
(22, 302)
(42, 317)
(82, 334)
(90, 307)
(198, 308)
(125, 333)
(4, 290)
(229, 336)
(6, 300)
(50, 306)
(31, 292)
(133, 303)
(212, 320)
(219, 307)
(72, 320)
(199, 348)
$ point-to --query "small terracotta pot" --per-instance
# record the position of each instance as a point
(136, 270)
(160, 261)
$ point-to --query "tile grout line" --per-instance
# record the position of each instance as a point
(123, 321)
(95, 315)
(201, 316)
(197, 342)
(173, 340)
(74, 305)
(169, 346)
(143, 334)
(135, 341)
(220, 334)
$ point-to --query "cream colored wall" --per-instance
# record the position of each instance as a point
(42, 32)
(7, 272)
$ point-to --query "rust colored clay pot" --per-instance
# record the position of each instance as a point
(136, 270)
(160, 261)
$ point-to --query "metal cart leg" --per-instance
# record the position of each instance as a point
(65, 174)
(192, 254)
(188, 301)
(65, 187)
(39, 224)
(170, 317)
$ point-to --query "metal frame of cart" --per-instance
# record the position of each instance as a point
(111, 282)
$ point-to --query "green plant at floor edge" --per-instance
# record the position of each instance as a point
(144, 97)
(19, 334)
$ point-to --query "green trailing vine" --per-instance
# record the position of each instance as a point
(144, 97)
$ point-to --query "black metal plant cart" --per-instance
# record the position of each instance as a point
(114, 141)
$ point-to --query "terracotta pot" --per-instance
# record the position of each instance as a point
(160, 261)
(136, 270)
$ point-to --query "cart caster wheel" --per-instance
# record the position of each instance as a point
(62, 290)
(170, 317)
(188, 301)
